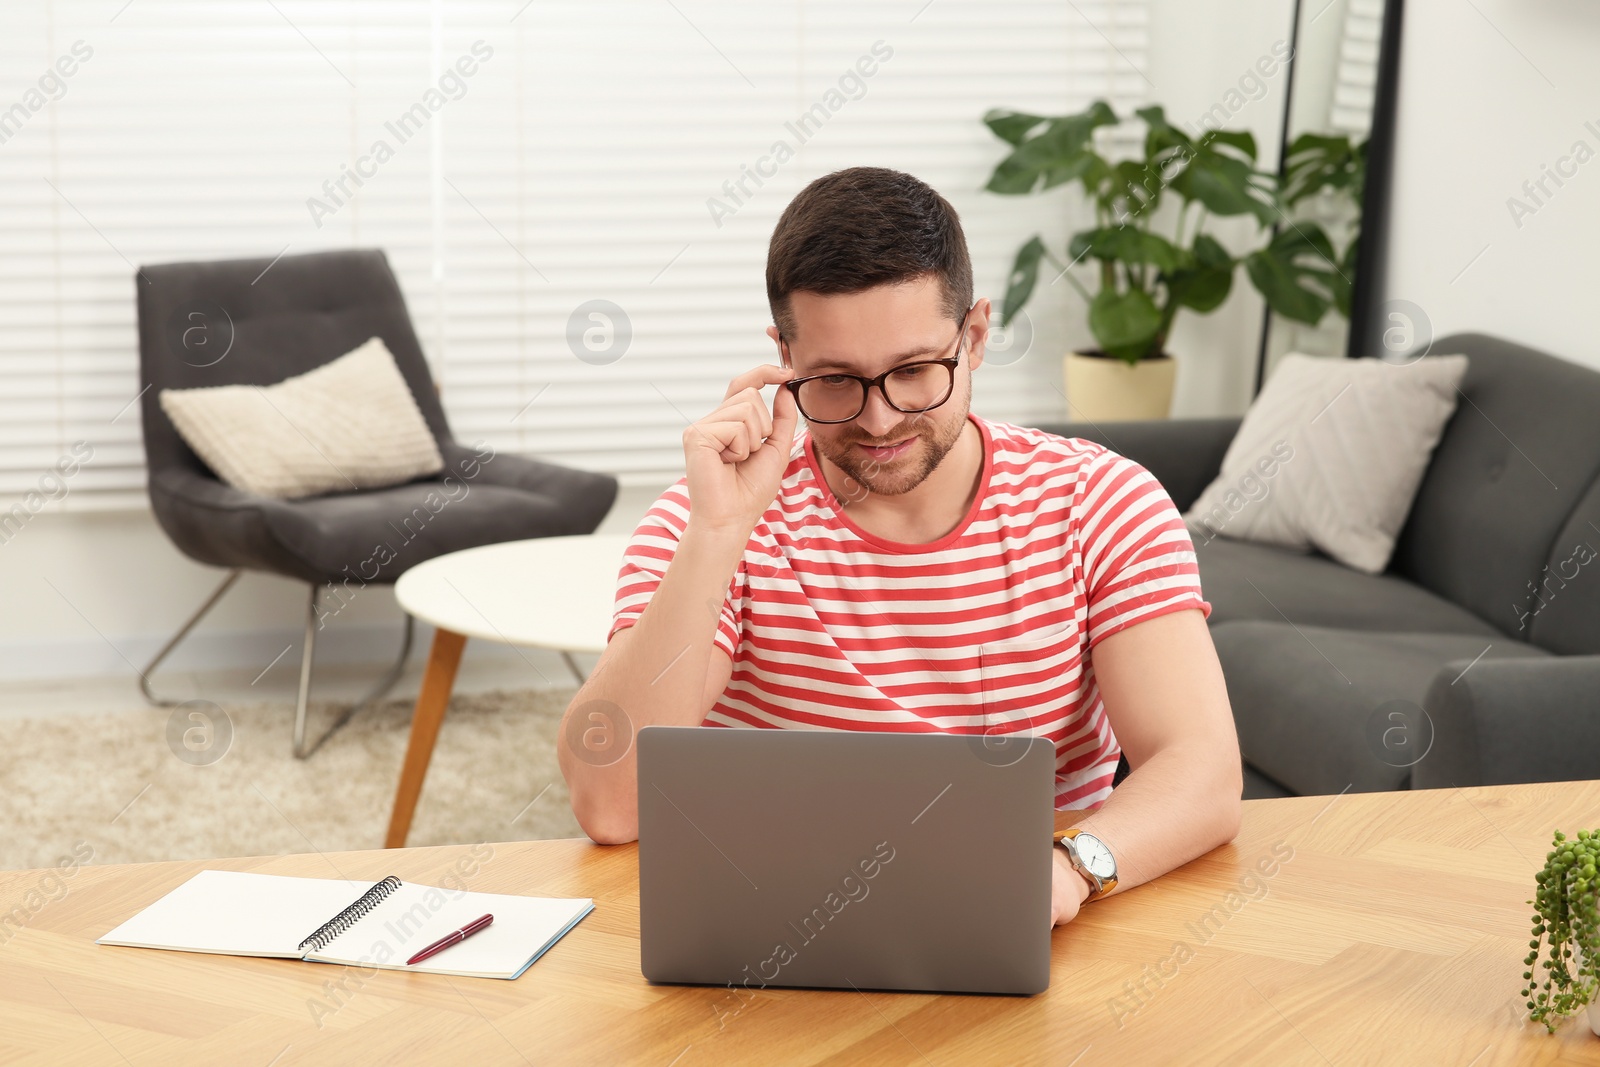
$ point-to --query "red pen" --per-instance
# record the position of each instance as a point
(480, 923)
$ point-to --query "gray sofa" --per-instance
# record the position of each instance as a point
(1476, 658)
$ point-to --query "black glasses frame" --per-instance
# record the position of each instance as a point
(950, 363)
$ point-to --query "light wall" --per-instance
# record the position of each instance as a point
(94, 594)
(99, 593)
(1492, 94)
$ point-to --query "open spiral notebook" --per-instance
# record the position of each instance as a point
(359, 924)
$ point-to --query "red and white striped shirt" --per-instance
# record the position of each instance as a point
(986, 631)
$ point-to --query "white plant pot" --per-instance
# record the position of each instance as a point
(1592, 1011)
(1102, 389)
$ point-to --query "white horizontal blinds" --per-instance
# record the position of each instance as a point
(193, 131)
(589, 158)
(583, 158)
(33, 407)
(578, 170)
(951, 65)
(1356, 80)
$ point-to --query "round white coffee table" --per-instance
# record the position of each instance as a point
(548, 592)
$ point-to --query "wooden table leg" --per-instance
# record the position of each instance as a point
(443, 659)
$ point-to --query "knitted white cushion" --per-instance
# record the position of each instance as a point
(346, 425)
(1331, 455)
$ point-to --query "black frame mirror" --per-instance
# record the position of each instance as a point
(1363, 333)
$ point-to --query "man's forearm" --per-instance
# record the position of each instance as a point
(657, 677)
(1178, 805)
(1167, 703)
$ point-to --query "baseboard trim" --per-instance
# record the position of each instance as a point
(277, 650)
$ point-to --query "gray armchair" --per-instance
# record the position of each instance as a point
(256, 322)
(1327, 667)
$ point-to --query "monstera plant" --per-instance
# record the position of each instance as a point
(1314, 164)
(1141, 275)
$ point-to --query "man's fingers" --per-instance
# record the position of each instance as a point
(764, 414)
(757, 423)
(743, 424)
(755, 409)
(766, 374)
(747, 405)
(721, 437)
(785, 417)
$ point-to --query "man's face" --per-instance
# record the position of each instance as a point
(888, 452)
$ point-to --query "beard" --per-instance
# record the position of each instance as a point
(905, 472)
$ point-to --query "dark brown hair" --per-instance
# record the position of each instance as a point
(863, 227)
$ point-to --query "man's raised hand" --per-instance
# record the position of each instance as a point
(736, 455)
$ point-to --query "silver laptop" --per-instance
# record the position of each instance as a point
(840, 859)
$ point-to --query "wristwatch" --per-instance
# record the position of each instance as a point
(1091, 858)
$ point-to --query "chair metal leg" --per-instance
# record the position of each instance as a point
(304, 697)
(572, 665)
(308, 652)
(183, 631)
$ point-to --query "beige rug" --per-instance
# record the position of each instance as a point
(116, 784)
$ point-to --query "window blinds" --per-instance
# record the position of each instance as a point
(576, 196)
(1356, 82)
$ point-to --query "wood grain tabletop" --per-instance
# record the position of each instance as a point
(1358, 929)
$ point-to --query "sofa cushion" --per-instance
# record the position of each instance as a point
(1322, 710)
(1520, 453)
(1247, 581)
(1330, 455)
(376, 536)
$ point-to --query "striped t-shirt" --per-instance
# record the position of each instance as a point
(986, 631)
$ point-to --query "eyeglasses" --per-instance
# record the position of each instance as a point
(910, 388)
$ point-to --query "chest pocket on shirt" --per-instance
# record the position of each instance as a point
(1034, 677)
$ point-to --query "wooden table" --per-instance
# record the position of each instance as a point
(1391, 930)
(546, 592)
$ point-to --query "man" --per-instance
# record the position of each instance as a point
(906, 566)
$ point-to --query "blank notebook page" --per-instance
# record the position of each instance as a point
(238, 914)
(415, 916)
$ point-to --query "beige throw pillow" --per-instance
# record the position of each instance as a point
(1330, 456)
(349, 424)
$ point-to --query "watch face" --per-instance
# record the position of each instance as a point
(1095, 856)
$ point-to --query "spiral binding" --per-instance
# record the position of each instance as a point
(323, 936)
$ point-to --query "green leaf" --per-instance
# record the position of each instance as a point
(1013, 177)
(1358, 170)
(1208, 252)
(1085, 166)
(1024, 275)
(1206, 279)
(1161, 136)
(1124, 244)
(1319, 142)
(1341, 283)
(1224, 185)
(1241, 140)
(1061, 145)
(1133, 189)
(1125, 324)
(1296, 273)
(1280, 286)
(1314, 162)
(1010, 126)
